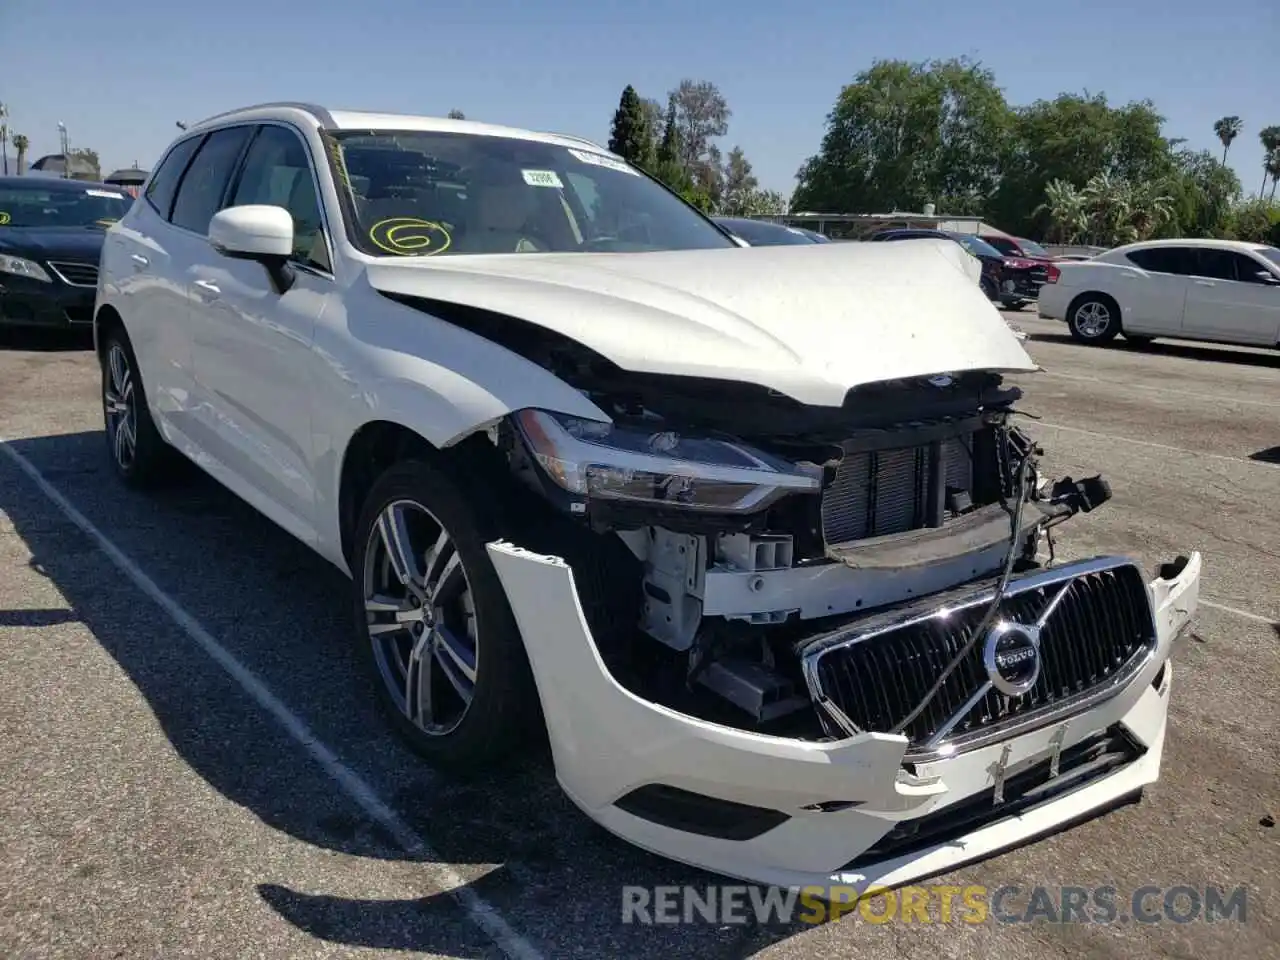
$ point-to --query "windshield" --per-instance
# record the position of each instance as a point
(1271, 253)
(1033, 249)
(979, 248)
(417, 194)
(37, 206)
(761, 234)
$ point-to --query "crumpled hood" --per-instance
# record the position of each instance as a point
(810, 322)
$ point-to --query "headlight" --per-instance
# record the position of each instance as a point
(602, 460)
(23, 268)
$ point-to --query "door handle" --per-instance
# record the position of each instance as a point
(209, 288)
(139, 261)
(1205, 283)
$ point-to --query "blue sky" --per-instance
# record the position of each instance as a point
(120, 79)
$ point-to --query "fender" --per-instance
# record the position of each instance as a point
(421, 372)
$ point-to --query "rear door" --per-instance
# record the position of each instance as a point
(1227, 300)
(252, 344)
(140, 258)
(1153, 301)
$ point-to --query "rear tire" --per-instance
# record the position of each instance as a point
(1094, 318)
(139, 454)
(443, 649)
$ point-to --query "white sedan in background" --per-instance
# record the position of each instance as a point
(1221, 291)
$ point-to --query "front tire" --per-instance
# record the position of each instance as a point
(139, 454)
(1094, 319)
(433, 621)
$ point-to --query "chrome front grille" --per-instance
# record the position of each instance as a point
(883, 492)
(1095, 638)
(77, 274)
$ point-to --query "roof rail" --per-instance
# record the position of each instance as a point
(320, 113)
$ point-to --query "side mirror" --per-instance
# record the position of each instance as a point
(1267, 277)
(256, 232)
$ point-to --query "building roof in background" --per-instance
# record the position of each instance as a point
(55, 164)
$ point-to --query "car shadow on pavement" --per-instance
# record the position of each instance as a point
(1183, 349)
(1269, 455)
(283, 613)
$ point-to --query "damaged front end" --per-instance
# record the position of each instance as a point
(785, 641)
(754, 530)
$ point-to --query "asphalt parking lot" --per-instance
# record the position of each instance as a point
(162, 801)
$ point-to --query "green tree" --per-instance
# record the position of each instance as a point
(90, 158)
(1272, 166)
(629, 136)
(904, 134)
(701, 115)
(654, 118)
(456, 114)
(1227, 129)
(1203, 192)
(1065, 209)
(21, 144)
(1270, 137)
(1074, 138)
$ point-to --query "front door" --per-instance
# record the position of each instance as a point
(252, 343)
(1228, 302)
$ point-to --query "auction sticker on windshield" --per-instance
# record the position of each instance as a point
(107, 194)
(542, 178)
(600, 160)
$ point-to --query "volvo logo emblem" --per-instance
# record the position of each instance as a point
(1011, 655)
(942, 380)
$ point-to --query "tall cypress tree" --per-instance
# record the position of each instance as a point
(629, 136)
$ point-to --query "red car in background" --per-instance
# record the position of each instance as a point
(1019, 247)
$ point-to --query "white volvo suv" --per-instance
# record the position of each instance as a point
(748, 532)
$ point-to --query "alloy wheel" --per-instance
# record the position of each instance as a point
(1093, 319)
(420, 617)
(119, 401)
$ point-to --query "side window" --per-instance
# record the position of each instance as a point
(1216, 264)
(200, 195)
(277, 172)
(1179, 261)
(164, 182)
(1247, 268)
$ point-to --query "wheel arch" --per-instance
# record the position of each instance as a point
(379, 444)
(106, 319)
(1096, 294)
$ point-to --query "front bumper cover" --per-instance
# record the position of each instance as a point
(841, 798)
(33, 303)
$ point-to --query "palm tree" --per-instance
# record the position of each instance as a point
(1272, 166)
(21, 143)
(1270, 137)
(1227, 129)
(4, 137)
(1065, 207)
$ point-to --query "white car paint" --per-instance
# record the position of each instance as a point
(1190, 304)
(598, 762)
(265, 392)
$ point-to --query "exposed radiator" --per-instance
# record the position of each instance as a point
(885, 492)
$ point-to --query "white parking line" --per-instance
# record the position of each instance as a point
(1240, 613)
(478, 910)
(1144, 386)
(1150, 443)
